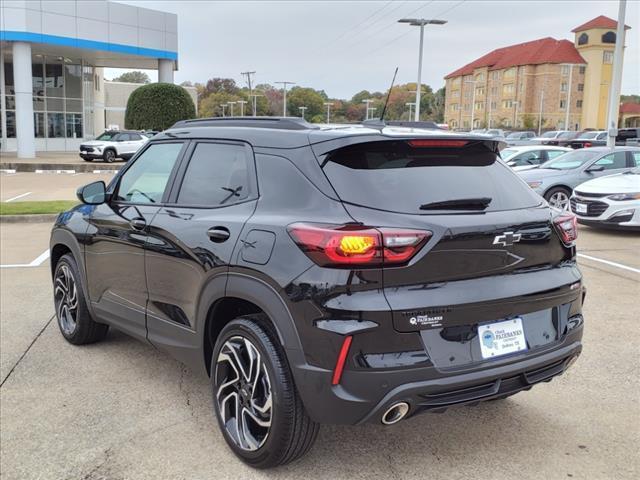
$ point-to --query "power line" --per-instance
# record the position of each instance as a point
(352, 29)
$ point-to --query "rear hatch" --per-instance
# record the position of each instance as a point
(494, 253)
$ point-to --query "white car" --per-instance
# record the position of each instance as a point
(611, 201)
(113, 144)
(531, 155)
(549, 136)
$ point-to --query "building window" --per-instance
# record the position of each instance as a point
(494, 105)
(480, 91)
(467, 107)
(607, 57)
(563, 104)
(74, 125)
(583, 39)
(507, 104)
(455, 94)
(582, 69)
(465, 124)
(579, 103)
(39, 127)
(508, 89)
(495, 75)
(565, 70)
(467, 94)
(609, 37)
(453, 123)
(455, 82)
(478, 105)
(581, 87)
(563, 87)
(11, 124)
(494, 90)
(55, 125)
(480, 77)
(510, 72)
(507, 122)
(454, 107)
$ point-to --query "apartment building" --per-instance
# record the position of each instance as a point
(542, 84)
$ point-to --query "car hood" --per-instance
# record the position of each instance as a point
(524, 168)
(538, 173)
(617, 183)
(94, 143)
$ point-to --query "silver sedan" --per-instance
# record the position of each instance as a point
(556, 179)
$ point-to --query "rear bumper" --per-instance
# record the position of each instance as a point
(363, 396)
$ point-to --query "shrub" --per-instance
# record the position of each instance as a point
(157, 106)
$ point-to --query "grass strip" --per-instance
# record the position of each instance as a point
(35, 208)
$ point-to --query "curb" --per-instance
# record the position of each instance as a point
(13, 167)
(36, 218)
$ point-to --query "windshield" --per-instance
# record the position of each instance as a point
(566, 135)
(571, 160)
(549, 135)
(515, 135)
(107, 136)
(396, 177)
(589, 135)
(508, 153)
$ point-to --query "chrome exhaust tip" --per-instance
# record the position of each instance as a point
(395, 413)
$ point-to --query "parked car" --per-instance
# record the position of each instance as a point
(625, 137)
(520, 138)
(531, 155)
(548, 136)
(564, 139)
(113, 144)
(628, 136)
(612, 201)
(556, 179)
(333, 300)
(490, 132)
(595, 138)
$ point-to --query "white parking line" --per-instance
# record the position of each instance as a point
(35, 263)
(607, 262)
(17, 197)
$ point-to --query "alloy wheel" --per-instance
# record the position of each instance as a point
(243, 393)
(559, 200)
(66, 299)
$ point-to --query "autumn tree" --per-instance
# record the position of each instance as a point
(135, 76)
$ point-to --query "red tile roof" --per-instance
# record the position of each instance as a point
(599, 22)
(630, 107)
(537, 52)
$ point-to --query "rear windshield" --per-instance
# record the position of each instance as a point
(397, 177)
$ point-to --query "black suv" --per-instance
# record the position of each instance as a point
(324, 275)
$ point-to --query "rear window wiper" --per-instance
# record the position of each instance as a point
(459, 204)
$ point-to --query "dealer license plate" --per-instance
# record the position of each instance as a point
(501, 338)
(581, 208)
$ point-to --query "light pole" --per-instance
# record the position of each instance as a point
(284, 96)
(410, 105)
(516, 104)
(231, 104)
(540, 117)
(224, 105)
(302, 110)
(473, 101)
(420, 22)
(248, 75)
(328, 105)
(568, 106)
(616, 81)
(367, 102)
(242, 102)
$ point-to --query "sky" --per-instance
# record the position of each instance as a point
(344, 47)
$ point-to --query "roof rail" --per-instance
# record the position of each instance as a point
(280, 123)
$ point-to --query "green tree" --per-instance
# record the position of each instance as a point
(304, 97)
(135, 76)
(157, 106)
(211, 106)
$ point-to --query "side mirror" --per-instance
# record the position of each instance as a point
(93, 193)
(595, 168)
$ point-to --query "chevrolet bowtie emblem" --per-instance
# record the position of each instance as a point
(507, 239)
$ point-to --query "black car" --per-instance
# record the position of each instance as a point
(346, 274)
(626, 136)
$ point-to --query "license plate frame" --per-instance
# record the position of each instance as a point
(501, 338)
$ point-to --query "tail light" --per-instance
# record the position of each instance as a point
(567, 227)
(587, 144)
(342, 358)
(348, 245)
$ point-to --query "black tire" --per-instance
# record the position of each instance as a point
(556, 193)
(109, 156)
(291, 432)
(83, 329)
(88, 159)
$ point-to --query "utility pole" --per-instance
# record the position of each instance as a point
(224, 105)
(328, 105)
(616, 81)
(420, 22)
(568, 106)
(248, 75)
(231, 104)
(367, 102)
(284, 96)
(302, 110)
(242, 102)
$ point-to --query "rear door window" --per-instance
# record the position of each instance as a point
(218, 174)
(394, 176)
(613, 161)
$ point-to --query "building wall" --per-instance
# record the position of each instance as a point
(116, 98)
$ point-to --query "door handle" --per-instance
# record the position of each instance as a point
(138, 223)
(218, 234)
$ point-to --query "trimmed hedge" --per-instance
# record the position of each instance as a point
(157, 106)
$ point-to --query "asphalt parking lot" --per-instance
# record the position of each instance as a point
(26, 186)
(122, 410)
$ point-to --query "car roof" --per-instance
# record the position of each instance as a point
(293, 132)
(615, 149)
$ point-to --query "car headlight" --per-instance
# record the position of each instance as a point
(535, 184)
(619, 197)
